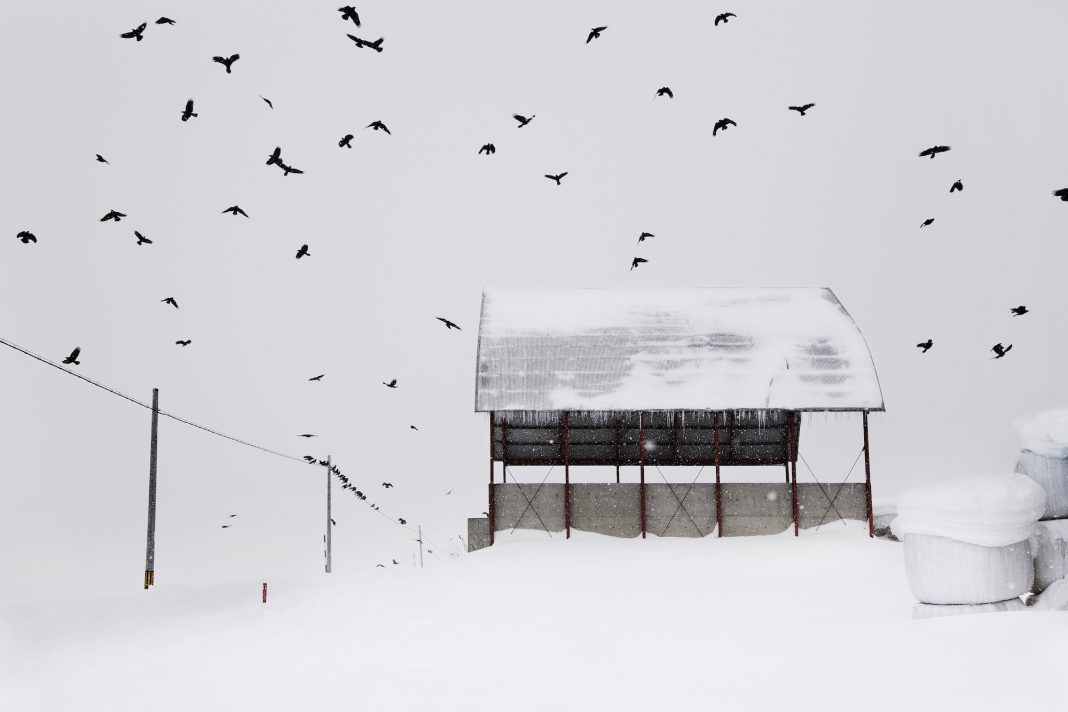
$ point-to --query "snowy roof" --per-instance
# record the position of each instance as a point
(717, 349)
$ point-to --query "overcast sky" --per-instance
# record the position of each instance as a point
(406, 227)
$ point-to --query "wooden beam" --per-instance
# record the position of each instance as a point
(641, 466)
(867, 478)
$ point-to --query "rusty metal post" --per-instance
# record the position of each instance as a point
(719, 498)
(567, 476)
(867, 479)
(618, 422)
(641, 465)
(791, 459)
(504, 450)
(150, 546)
(490, 512)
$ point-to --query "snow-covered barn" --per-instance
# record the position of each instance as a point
(716, 377)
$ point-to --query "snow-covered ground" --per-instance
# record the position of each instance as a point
(822, 622)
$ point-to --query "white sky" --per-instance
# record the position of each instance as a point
(407, 227)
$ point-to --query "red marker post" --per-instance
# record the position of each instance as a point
(265, 592)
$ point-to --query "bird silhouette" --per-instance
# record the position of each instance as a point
(225, 526)
(933, 151)
(332, 522)
(303, 252)
(136, 33)
(378, 126)
(317, 378)
(101, 159)
(641, 238)
(595, 33)
(557, 178)
(306, 435)
(267, 101)
(1001, 350)
(391, 384)
(412, 427)
(345, 142)
(448, 324)
(287, 169)
(387, 485)
(402, 521)
(380, 566)
(183, 342)
(724, 17)
(171, 301)
(113, 215)
(722, 124)
(188, 112)
(801, 109)
(164, 21)
(349, 13)
(488, 149)
(637, 261)
(1062, 194)
(141, 239)
(1019, 311)
(309, 458)
(235, 211)
(73, 358)
(275, 157)
(665, 91)
(927, 222)
(394, 562)
(925, 345)
(523, 121)
(376, 45)
(226, 61)
(26, 237)
(957, 185)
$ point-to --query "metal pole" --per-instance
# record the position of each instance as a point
(867, 479)
(504, 450)
(492, 520)
(641, 465)
(719, 498)
(567, 479)
(420, 546)
(791, 458)
(328, 519)
(618, 420)
(150, 544)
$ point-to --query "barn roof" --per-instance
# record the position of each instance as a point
(654, 349)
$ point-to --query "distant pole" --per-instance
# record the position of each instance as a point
(150, 545)
(867, 479)
(641, 466)
(420, 546)
(328, 519)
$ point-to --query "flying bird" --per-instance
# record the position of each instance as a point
(113, 215)
(395, 562)
(184, 342)
(303, 252)
(26, 237)
(387, 485)
(925, 345)
(412, 427)
(1062, 194)
(376, 45)
(391, 384)
(1001, 350)
(226, 61)
(317, 378)
(266, 101)
(523, 121)
(1019, 311)
(305, 435)
(377, 126)
(637, 261)
(171, 301)
(641, 238)
(101, 159)
(73, 358)
(135, 33)
(287, 169)
(724, 18)
(927, 222)
(488, 149)
(188, 112)
(665, 91)
(956, 186)
(448, 324)
(595, 33)
(164, 21)
(801, 109)
(556, 178)
(275, 157)
(933, 151)
(235, 211)
(349, 13)
(345, 142)
(722, 124)
(225, 526)
(141, 239)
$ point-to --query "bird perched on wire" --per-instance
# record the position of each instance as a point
(1062, 194)
(1019, 311)
(72, 360)
(925, 345)
(391, 384)
(164, 21)
(641, 238)
(595, 33)
(523, 121)
(235, 211)
(188, 112)
(401, 520)
(136, 33)
(724, 18)
(141, 239)
(957, 186)
(171, 301)
(448, 324)
(722, 124)
(665, 91)
(309, 459)
(378, 126)
(345, 142)
(376, 45)
(1001, 350)
(101, 159)
(801, 109)
(303, 252)
(113, 215)
(637, 261)
(927, 222)
(226, 61)
(349, 13)
(489, 149)
(26, 237)
(559, 177)
(317, 378)
(183, 342)
(933, 151)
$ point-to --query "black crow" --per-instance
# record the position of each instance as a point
(391, 384)
(141, 239)
(73, 358)
(377, 126)
(1019, 311)
(135, 33)
(722, 124)
(1062, 194)
(287, 169)
(376, 45)
(309, 458)
(305, 435)
(925, 345)
(266, 101)
(349, 13)
(402, 521)
(101, 159)
(956, 186)
(303, 252)
(637, 261)
(188, 112)
(927, 222)
(171, 301)
(275, 157)
(665, 91)
(164, 21)
(1001, 350)
(724, 17)
(235, 211)
(448, 324)
(387, 485)
(523, 121)
(317, 378)
(556, 178)
(26, 237)
(488, 149)
(933, 151)
(113, 215)
(226, 61)
(345, 142)
(412, 427)
(595, 33)
(801, 109)
(184, 342)
(641, 238)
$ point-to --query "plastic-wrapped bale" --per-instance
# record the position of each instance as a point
(927, 610)
(966, 540)
(1044, 457)
(1051, 553)
(1054, 598)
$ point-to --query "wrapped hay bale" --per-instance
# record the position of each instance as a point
(1044, 457)
(1054, 598)
(1051, 553)
(966, 540)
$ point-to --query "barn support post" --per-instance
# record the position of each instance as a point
(504, 450)
(150, 540)
(719, 497)
(567, 476)
(867, 478)
(790, 459)
(641, 465)
(489, 512)
(618, 422)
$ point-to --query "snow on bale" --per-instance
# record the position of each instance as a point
(1054, 598)
(1051, 553)
(967, 539)
(927, 610)
(1044, 457)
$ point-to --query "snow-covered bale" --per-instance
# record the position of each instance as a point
(1054, 598)
(883, 515)
(1044, 433)
(1051, 553)
(927, 610)
(1051, 474)
(967, 540)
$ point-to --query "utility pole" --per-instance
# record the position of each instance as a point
(329, 521)
(420, 546)
(150, 545)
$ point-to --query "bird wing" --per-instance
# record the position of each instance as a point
(926, 152)
(517, 117)
(1061, 193)
(295, 170)
(562, 174)
(233, 58)
(239, 210)
(220, 60)
(75, 353)
(189, 106)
